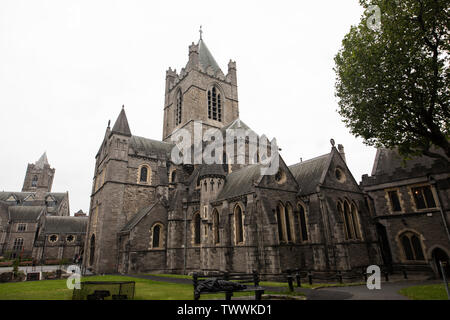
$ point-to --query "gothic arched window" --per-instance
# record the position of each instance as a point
(238, 224)
(144, 174)
(34, 181)
(179, 102)
(355, 222)
(173, 176)
(288, 222)
(412, 247)
(302, 221)
(214, 104)
(157, 236)
(345, 219)
(348, 221)
(216, 226)
(280, 224)
(197, 226)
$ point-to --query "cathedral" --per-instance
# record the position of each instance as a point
(149, 213)
(157, 207)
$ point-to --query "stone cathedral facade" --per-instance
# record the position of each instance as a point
(149, 214)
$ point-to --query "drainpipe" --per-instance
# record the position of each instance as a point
(185, 240)
(444, 220)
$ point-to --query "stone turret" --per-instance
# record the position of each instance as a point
(212, 179)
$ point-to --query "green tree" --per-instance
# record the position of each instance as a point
(393, 83)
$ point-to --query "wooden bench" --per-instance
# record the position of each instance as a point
(234, 277)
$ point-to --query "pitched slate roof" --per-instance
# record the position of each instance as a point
(309, 173)
(388, 160)
(25, 212)
(65, 224)
(137, 218)
(240, 182)
(151, 147)
(121, 126)
(18, 195)
(206, 59)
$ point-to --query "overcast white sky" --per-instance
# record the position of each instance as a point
(66, 68)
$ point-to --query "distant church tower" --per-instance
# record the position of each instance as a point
(39, 176)
(201, 91)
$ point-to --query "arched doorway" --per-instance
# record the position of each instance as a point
(440, 255)
(384, 246)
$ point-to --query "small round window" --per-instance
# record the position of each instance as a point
(70, 238)
(53, 238)
(340, 175)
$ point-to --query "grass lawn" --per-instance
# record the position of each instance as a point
(426, 292)
(57, 289)
(145, 290)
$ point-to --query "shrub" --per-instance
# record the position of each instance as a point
(16, 264)
(6, 276)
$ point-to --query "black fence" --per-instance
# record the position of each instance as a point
(105, 290)
(298, 276)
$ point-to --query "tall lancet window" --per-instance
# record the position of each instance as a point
(34, 181)
(179, 106)
(214, 104)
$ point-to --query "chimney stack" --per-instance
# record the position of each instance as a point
(341, 151)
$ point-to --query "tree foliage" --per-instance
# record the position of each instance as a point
(393, 84)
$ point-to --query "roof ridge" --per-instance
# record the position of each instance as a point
(310, 160)
(168, 143)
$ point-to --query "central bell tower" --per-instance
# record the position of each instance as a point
(200, 92)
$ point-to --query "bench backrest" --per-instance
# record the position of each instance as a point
(236, 277)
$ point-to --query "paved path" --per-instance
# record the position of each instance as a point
(388, 291)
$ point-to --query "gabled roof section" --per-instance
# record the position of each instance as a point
(12, 197)
(310, 173)
(387, 161)
(25, 212)
(206, 59)
(240, 182)
(121, 125)
(149, 146)
(29, 198)
(9, 196)
(65, 224)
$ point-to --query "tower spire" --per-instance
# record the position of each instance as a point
(201, 32)
(121, 125)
